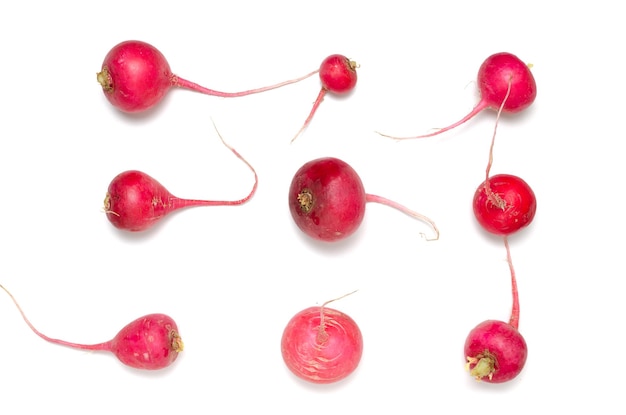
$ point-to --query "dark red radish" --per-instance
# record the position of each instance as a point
(135, 76)
(506, 84)
(338, 75)
(136, 201)
(322, 345)
(504, 204)
(150, 342)
(327, 200)
(495, 350)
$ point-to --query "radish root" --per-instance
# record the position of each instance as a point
(404, 209)
(322, 335)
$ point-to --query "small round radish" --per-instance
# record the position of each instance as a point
(150, 342)
(136, 201)
(327, 200)
(338, 75)
(505, 83)
(322, 345)
(496, 351)
(135, 76)
(503, 204)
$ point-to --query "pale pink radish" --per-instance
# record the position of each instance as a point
(327, 200)
(506, 84)
(135, 201)
(135, 76)
(322, 345)
(150, 342)
(338, 76)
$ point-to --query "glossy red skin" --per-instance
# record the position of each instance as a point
(493, 81)
(322, 362)
(521, 205)
(151, 342)
(139, 76)
(502, 341)
(339, 199)
(135, 201)
(338, 74)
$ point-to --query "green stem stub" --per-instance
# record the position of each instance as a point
(481, 366)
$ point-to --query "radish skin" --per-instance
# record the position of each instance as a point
(151, 342)
(503, 204)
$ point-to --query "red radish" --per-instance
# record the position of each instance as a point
(327, 200)
(504, 203)
(136, 201)
(495, 350)
(504, 82)
(322, 345)
(338, 75)
(150, 342)
(135, 76)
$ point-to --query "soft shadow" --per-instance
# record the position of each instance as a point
(324, 387)
(141, 116)
(330, 248)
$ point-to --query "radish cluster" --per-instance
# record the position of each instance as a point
(135, 76)
(327, 201)
(503, 204)
(495, 350)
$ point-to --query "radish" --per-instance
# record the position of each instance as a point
(136, 201)
(327, 200)
(322, 345)
(495, 350)
(150, 342)
(504, 82)
(504, 203)
(135, 76)
(338, 75)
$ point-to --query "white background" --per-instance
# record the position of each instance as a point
(233, 276)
